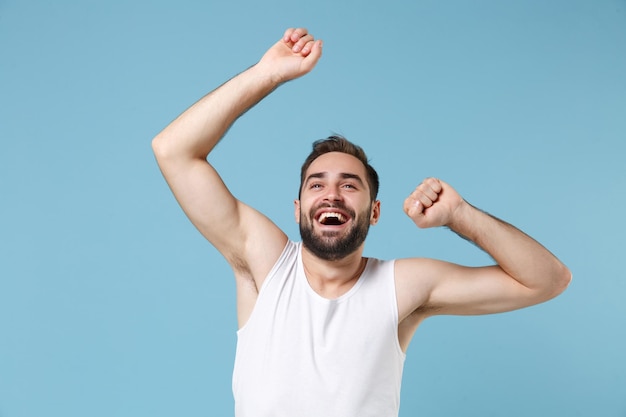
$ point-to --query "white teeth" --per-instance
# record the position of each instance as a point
(326, 215)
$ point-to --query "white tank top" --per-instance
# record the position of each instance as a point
(302, 355)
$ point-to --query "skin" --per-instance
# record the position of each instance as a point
(329, 278)
(525, 272)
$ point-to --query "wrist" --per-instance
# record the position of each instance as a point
(265, 75)
(461, 218)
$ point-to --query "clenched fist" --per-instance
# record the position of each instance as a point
(433, 203)
(294, 55)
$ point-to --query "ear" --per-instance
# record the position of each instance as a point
(296, 206)
(375, 215)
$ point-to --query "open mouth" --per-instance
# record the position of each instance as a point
(332, 218)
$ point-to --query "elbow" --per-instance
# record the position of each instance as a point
(565, 278)
(158, 147)
(561, 278)
(169, 148)
(164, 151)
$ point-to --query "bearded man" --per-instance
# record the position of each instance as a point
(323, 331)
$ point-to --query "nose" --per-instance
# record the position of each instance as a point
(333, 193)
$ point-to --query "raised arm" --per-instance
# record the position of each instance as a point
(248, 240)
(525, 273)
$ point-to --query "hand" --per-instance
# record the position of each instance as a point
(293, 56)
(433, 203)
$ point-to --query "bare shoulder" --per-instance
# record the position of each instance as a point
(261, 246)
(415, 280)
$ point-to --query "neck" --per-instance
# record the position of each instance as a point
(331, 279)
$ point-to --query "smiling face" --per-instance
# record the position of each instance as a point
(335, 208)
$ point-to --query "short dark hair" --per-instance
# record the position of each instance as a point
(337, 143)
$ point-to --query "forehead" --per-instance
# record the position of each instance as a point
(336, 163)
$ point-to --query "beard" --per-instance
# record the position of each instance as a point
(330, 246)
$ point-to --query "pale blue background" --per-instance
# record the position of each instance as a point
(112, 305)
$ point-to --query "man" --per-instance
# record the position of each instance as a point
(323, 330)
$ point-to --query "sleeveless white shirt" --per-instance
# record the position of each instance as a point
(302, 355)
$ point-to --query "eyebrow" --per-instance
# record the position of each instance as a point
(343, 175)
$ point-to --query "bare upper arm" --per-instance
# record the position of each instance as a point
(436, 287)
(249, 241)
